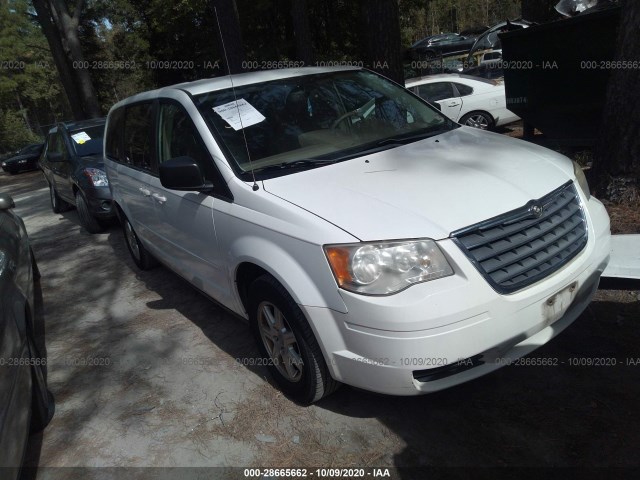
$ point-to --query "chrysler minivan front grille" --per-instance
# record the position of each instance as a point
(523, 246)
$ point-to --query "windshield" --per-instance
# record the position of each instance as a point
(87, 141)
(308, 121)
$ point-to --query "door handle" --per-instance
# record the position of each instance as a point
(160, 198)
(145, 191)
(453, 104)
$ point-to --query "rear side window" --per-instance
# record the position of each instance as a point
(138, 136)
(113, 141)
(433, 92)
(463, 90)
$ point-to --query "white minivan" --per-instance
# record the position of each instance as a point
(367, 238)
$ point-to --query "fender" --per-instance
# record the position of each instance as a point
(281, 261)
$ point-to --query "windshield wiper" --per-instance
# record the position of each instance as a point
(405, 139)
(295, 165)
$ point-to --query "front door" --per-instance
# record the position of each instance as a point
(185, 221)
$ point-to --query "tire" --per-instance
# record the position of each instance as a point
(57, 204)
(34, 266)
(42, 402)
(88, 221)
(300, 372)
(141, 257)
(481, 120)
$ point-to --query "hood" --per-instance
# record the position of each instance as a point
(92, 161)
(428, 188)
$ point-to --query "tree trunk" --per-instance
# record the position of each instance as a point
(229, 34)
(302, 31)
(68, 25)
(61, 32)
(617, 152)
(23, 112)
(540, 11)
(381, 34)
(65, 72)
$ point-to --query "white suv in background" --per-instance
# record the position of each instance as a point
(367, 238)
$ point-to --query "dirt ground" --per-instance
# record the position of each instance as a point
(148, 372)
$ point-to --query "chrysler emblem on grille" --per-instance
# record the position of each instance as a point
(536, 210)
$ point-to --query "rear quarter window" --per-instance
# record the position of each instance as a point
(464, 90)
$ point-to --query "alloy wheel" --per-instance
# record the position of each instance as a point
(132, 240)
(280, 341)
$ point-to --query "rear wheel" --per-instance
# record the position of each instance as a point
(88, 221)
(481, 120)
(287, 343)
(142, 258)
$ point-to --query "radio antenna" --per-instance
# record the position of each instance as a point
(235, 99)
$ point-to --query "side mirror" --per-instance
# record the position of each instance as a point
(55, 156)
(6, 202)
(183, 173)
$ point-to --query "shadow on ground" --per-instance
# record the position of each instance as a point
(580, 410)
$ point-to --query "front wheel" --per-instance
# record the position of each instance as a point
(88, 221)
(481, 120)
(287, 343)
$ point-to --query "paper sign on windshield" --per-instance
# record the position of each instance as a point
(80, 137)
(229, 113)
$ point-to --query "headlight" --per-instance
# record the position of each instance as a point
(383, 268)
(582, 180)
(97, 177)
(4, 164)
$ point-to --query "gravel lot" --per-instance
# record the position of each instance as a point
(148, 372)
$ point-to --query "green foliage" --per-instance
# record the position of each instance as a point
(136, 45)
(14, 134)
(30, 93)
(169, 42)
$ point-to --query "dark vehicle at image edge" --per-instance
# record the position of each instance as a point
(26, 406)
(73, 167)
(441, 44)
(25, 159)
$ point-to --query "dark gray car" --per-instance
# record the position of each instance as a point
(25, 403)
(73, 167)
(24, 159)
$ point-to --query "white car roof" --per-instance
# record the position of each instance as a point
(449, 77)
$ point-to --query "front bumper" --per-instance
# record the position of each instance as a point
(441, 333)
(15, 167)
(100, 202)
